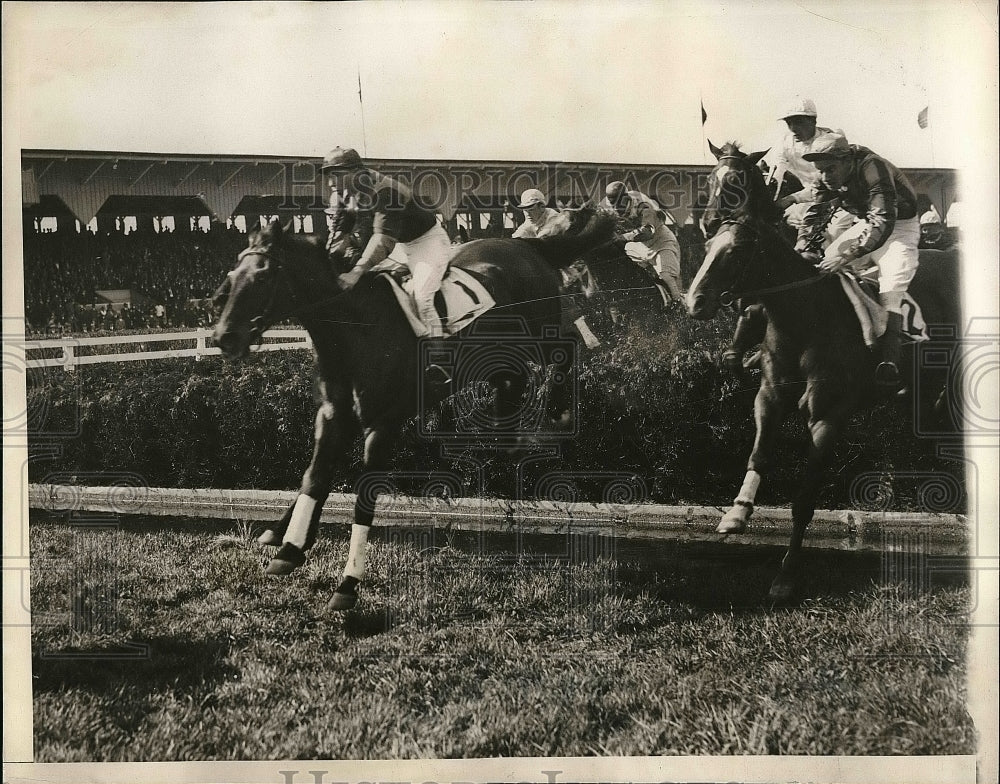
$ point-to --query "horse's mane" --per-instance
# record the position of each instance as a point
(590, 228)
(731, 149)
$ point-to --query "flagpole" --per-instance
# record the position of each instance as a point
(704, 117)
(361, 103)
(930, 127)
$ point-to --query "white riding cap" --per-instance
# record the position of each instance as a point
(530, 198)
(801, 107)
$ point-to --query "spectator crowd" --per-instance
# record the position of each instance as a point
(171, 276)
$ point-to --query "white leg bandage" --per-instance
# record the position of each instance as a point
(298, 526)
(588, 337)
(355, 566)
(748, 492)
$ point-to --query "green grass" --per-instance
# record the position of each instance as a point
(664, 649)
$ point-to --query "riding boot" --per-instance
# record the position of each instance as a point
(887, 372)
(750, 329)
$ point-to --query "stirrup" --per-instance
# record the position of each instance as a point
(433, 370)
(887, 375)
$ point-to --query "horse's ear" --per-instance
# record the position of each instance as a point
(715, 150)
(755, 157)
(272, 231)
(288, 227)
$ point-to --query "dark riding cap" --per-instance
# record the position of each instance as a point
(828, 146)
(342, 158)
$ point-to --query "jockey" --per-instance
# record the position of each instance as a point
(866, 213)
(656, 246)
(398, 219)
(802, 131)
(539, 220)
(626, 206)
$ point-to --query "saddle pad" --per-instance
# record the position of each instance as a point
(872, 316)
(464, 300)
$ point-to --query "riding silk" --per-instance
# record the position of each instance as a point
(464, 299)
(878, 193)
(397, 214)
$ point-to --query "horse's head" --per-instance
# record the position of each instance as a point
(737, 187)
(260, 291)
(580, 217)
(725, 270)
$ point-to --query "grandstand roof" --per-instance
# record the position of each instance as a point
(154, 205)
(273, 204)
(49, 206)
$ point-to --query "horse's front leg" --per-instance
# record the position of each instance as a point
(378, 454)
(769, 411)
(296, 532)
(823, 435)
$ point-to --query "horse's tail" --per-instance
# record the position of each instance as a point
(561, 250)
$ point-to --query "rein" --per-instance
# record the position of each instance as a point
(727, 298)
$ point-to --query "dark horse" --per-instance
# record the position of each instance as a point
(738, 189)
(814, 356)
(618, 290)
(367, 356)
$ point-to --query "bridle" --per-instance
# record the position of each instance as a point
(730, 296)
(258, 324)
(281, 276)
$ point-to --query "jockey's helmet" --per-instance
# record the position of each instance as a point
(801, 107)
(530, 198)
(826, 146)
(342, 158)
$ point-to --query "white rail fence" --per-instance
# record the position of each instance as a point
(71, 352)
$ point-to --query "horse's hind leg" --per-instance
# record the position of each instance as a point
(378, 454)
(823, 438)
(297, 529)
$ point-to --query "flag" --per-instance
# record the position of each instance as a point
(704, 114)
(359, 87)
(922, 117)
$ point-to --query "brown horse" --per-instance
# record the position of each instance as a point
(368, 359)
(814, 356)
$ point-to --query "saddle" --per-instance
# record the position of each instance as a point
(863, 293)
(460, 300)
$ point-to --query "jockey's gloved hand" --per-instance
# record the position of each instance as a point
(643, 234)
(349, 279)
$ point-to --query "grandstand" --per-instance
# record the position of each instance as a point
(167, 227)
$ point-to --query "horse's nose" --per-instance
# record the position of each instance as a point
(225, 341)
(697, 304)
(221, 295)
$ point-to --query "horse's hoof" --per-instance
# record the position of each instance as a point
(783, 592)
(346, 595)
(270, 537)
(735, 520)
(286, 560)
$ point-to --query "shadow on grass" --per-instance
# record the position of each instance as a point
(363, 623)
(186, 664)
